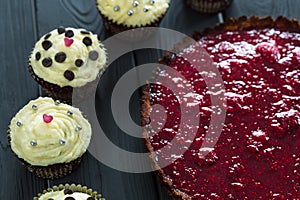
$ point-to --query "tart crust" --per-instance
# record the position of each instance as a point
(232, 24)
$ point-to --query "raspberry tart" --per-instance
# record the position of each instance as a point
(257, 153)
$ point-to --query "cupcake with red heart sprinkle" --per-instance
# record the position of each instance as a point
(49, 137)
(66, 58)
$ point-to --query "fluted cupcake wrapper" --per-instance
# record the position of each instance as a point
(208, 6)
(74, 188)
(113, 28)
(63, 94)
(55, 171)
(52, 172)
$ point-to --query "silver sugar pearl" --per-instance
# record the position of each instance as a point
(116, 8)
(78, 128)
(33, 143)
(62, 141)
(57, 102)
(130, 12)
(70, 113)
(19, 123)
(135, 3)
(152, 2)
(146, 9)
(34, 107)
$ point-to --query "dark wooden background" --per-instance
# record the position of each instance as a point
(22, 22)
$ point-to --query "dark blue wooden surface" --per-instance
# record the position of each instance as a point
(22, 22)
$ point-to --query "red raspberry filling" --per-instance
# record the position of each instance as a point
(257, 155)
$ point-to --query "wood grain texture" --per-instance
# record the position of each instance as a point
(117, 184)
(274, 8)
(68, 13)
(17, 88)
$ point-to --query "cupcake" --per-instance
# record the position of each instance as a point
(69, 192)
(49, 137)
(66, 58)
(124, 15)
(208, 6)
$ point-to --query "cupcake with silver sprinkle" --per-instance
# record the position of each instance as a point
(49, 137)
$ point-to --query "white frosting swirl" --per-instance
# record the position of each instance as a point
(49, 136)
(59, 195)
(77, 50)
(117, 11)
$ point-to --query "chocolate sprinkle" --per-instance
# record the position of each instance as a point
(60, 57)
(68, 191)
(46, 44)
(69, 75)
(85, 32)
(37, 56)
(69, 198)
(69, 33)
(47, 36)
(87, 41)
(47, 62)
(61, 30)
(90, 198)
(93, 55)
(78, 62)
(50, 199)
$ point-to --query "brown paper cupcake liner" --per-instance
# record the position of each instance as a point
(51, 172)
(113, 28)
(137, 33)
(208, 6)
(64, 94)
(74, 188)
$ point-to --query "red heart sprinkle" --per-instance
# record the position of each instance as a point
(47, 118)
(68, 41)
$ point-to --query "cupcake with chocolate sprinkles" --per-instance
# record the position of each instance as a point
(208, 6)
(66, 58)
(123, 15)
(49, 137)
(69, 192)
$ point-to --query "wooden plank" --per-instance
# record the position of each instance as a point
(75, 13)
(17, 88)
(116, 184)
(182, 19)
(111, 183)
(272, 8)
